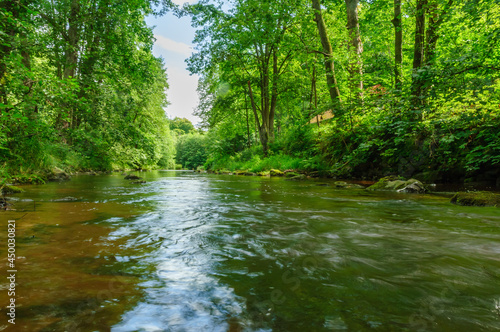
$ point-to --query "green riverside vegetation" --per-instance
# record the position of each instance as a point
(354, 89)
(407, 88)
(80, 88)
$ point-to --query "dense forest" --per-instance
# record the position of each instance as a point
(80, 88)
(335, 88)
(350, 88)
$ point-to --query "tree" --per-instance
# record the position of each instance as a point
(181, 126)
(418, 51)
(249, 48)
(331, 79)
(398, 45)
(355, 48)
(78, 78)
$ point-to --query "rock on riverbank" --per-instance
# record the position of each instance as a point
(477, 198)
(399, 184)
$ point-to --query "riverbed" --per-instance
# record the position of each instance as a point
(200, 252)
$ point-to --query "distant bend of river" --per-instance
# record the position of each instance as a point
(192, 252)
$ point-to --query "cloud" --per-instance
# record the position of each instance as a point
(182, 94)
(181, 2)
(173, 46)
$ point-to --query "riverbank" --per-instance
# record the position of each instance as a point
(55, 174)
(302, 174)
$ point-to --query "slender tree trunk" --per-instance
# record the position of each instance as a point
(265, 97)
(331, 79)
(71, 52)
(418, 53)
(248, 124)
(263, 133)
(355, 47)
(398, 45)
(71, 58)
(431, 33)
(274, 96)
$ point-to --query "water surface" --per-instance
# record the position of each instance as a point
(191, 252)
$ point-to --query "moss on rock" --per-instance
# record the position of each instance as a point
(8, 189)
(478, 198)
(276, 172)
(399, 184)
(57, 174)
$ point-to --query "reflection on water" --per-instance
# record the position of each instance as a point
(190, 252)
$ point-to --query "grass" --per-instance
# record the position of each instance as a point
(257, 163)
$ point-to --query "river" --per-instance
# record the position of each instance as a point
(194, 252)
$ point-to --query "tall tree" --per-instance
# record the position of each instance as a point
(331, 79)
(248, 47)
(355, 47)
(398, 45)
(418, 51)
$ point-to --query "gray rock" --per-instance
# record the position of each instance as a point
(413, 186)
(399, 185)
(57, 175)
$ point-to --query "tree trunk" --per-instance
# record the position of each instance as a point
(418, 53)
(398, 45)
(435, 20)
(274, 96)
(71, 52)
(263, 134)
(248, 123)
(355, 47)
(431, 33)
(331, 79)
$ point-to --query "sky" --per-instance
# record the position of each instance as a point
(174, 38)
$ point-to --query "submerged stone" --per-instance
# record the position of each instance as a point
(345, 185)
(132, 177)
(296, 177)
(478, 198)
(65, 199)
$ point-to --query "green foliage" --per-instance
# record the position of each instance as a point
(191, 150)
(80, 88)
(181, 126)
(450, 129)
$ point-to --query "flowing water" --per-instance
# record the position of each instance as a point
(191, 252)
